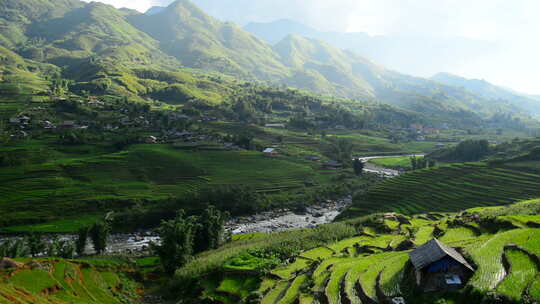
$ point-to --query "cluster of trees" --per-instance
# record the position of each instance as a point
(252, 104)
(422, 163)
(184, 236)
(468, 150)
(358, 166)
(35, 244)
(340, 149)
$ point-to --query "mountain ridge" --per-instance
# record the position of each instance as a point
(407, 54)
(98, 43)
(490, 91)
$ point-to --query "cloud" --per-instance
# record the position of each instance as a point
(140, 5)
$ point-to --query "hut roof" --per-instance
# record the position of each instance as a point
(433, 251)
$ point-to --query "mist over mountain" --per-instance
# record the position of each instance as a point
(490, 91)
(410, 54)
(154, 10)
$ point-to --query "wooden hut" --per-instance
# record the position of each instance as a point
(439, 267)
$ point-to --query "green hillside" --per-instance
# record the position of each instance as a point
(99, 49)
(200, 41)
(365, 260)
(449, 188)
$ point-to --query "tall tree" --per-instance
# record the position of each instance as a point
(35, 244)
(210, 229)
(358, 166)
(82, 237)
(176, 245)
(341, 150)
(99, 233)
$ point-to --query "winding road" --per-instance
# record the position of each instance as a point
(371, 168)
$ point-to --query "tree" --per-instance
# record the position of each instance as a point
(99, 233)
(60, 248)
(341, 150)
(66, 249)
(210, 229)
(35, 244)
(358, 166)
(176, 245)
(82, 237)
(4, 134)
(413, 163)
(13, 249)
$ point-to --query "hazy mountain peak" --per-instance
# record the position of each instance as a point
(487, 90)
(276, 31)
(155, 10)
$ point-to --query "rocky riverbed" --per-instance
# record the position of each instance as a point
(266, 222)
(271, 221)
(275, 221)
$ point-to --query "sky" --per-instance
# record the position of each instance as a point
(512, 25)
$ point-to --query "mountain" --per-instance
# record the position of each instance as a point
(107, 50)
(154, 10)
(276, 31)
(70, 32)
(423, 56)
(490, 91)
(200, 41)
(319, 65)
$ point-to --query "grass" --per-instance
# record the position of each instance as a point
(488, 257)
(293, 292)
(239, 286)
(393, 162)
(276, 293)
(62, 226)
(289, 271)
(522, 274)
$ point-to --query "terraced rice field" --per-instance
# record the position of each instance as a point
(64, 281)
(74, 182)
(370, 269)
(447, 189)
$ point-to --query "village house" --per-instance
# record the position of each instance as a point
(47, 124)
(178, 116)
(416, 127)
(439, 267)
(275, 125)
(313, 158)
(332, 164)
(68, 124)
(231, 146)
(431, 131)
(151, 140)
(125, 121)
(440, 146)
(270, 152)
(21, 120)
(19, 134)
